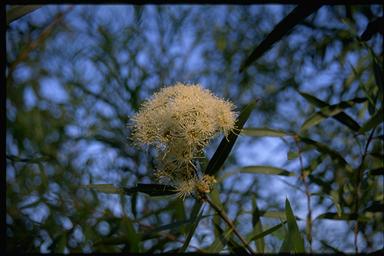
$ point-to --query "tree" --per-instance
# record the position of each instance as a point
(76, 74)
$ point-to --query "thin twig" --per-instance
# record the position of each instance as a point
(303, 177)
(357, 191)
(225, 217)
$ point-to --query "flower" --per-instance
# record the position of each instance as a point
(179, 121)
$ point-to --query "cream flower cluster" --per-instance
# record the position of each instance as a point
(180, 121)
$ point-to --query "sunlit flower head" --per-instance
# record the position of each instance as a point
(179, 121)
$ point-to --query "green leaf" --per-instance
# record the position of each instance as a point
(226, 144)
(329, 111)
(220, 241)
(196, 217)
(264, 132)
(286, 246)
(344, 216)
(334, 249)
(341, 117)
(105, 188)
(151, 189)
(378, 72)
(257, 226)
(130, 232)
(322, 148)
(267, 232)
(19, 11)
(377, 171)
(282, 28)
(374, 121)
(295, 238)
(173, 225)
(376, 206)
(266, 170)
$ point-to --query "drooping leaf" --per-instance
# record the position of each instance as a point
(221, 239)
(267, 231)
(376, 206)
(257, 226)
(373, 27)
(322, 148)
(151, 189)
(105, 188)
(226, 144)
(295, 237)
(282, 28)
(378, 71)
(344, 216)
(17, 12)
(264, 132)
(334, 249)
(377, 171)
(266, 170)
(374, 121)
(196, 216)
(130, 232)
(329, 111)
(341, 117)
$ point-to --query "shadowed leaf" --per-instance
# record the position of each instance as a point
(226, 144)
(257, 226)
(344, 216)
(152, 189)
(105, 188)
(374, 121)
(373, 27)
(281, 29)
(19, 11)
(329, 111)
(266, 170)
(341, 117)
(268, 231)
(375, 206)
(295, 238)
(377, 171)
(264, 132)
(196, 216)
(322, 148)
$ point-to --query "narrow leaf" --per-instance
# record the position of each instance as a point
(341, 117)
(377, 171)
(19, 11)
(374, 121)
(226, 144)
(268, 231)
(151, 189)
(266, 170)
(196, 216)
(334, 249)
(322, 148)
(264, 132)
(105, 188)
(282, 28)
(220, 241)
(378, 71)
(294, 234)
(257, 226)
(329, 111)
(375, 206)
(344, 216)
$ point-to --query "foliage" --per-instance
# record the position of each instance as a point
(76, 74)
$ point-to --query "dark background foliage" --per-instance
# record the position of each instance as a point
(75, 75)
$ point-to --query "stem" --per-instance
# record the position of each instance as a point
(225, 217)
(357, 192)
(308, 195)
